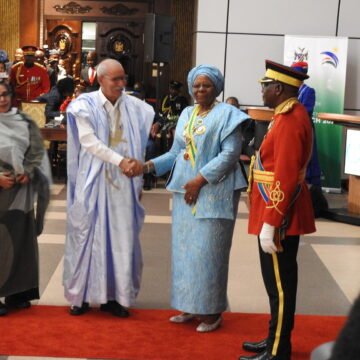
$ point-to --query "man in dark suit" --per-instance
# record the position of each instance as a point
(88, 74)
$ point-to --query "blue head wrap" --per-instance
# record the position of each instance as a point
(3, 56)
(212, 72)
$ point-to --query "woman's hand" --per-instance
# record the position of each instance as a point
(7, 180)
(22, 179)
(192, 189)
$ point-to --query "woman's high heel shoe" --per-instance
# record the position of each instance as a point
(204, 327)
(182, 318)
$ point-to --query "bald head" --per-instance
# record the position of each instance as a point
(112, 79)
(19, 55)
(91, 59)
(108, 65)
(40, 57)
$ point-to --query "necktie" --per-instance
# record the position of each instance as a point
(91, 75)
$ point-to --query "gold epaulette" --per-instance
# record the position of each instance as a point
(17, 64)
(286, 106)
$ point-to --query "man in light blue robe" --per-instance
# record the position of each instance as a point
(107, 135)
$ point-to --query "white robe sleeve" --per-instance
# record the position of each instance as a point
(91, 143)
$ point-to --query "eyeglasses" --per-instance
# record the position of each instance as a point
(5, 94)
(117, 78)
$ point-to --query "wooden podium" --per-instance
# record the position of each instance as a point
(262, 117)
(353, 212)
(260, 113)
(54, 134)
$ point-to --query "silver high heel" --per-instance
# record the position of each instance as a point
(203, 327)
(182, 318)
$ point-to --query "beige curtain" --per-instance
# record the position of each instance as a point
(10, 26)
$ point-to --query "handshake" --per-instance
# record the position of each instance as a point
(132, 167)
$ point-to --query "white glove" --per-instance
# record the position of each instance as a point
(267, 238)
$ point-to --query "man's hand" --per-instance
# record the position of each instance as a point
(131, 167)
(154, 130)
(7, 180)
(267, 238)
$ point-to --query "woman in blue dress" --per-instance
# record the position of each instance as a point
(206, 181)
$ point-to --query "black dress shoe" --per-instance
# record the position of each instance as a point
(15, 303)
(3, 309)
(115, 309)
(79, 310)
(257, 347)
(262, 356)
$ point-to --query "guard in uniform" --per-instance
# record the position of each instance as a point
(163, 129)
(172, 105)
(28, 78)
(280, 204)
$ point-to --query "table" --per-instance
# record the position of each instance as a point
(352, 215)
(260, 113)
(262, 117)
(341, 119)
(54, 134)
(57, 157)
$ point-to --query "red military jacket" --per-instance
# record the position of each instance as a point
(29, 83)
(285, 152)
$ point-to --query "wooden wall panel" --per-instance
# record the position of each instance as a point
(10, 28)
(183, 10)
(30, 22)
(94, 9)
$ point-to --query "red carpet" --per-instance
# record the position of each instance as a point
(146, 335)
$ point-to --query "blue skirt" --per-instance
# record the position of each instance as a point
(200, 259)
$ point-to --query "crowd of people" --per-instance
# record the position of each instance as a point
(39, 75)
(108, 135)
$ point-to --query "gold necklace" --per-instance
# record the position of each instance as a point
(204, 113)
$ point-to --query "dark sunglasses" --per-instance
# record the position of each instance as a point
(5, 94)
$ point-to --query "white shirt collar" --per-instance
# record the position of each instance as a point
(105, 101)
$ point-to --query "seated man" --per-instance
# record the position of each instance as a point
(57, 95)
(54, 99)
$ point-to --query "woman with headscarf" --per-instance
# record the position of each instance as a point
(206, 181)
(24, 172)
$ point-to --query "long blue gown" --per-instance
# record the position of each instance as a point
(201, 237)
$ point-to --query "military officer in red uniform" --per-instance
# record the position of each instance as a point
(280, 204)
(28, 78)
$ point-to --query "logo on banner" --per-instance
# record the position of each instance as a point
(330, 58)
(301, 55)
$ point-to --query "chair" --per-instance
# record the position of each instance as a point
(36, 111)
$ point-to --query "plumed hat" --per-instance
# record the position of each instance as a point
(301, 66)
(282, 73)
(175, 84)
(29, 50)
